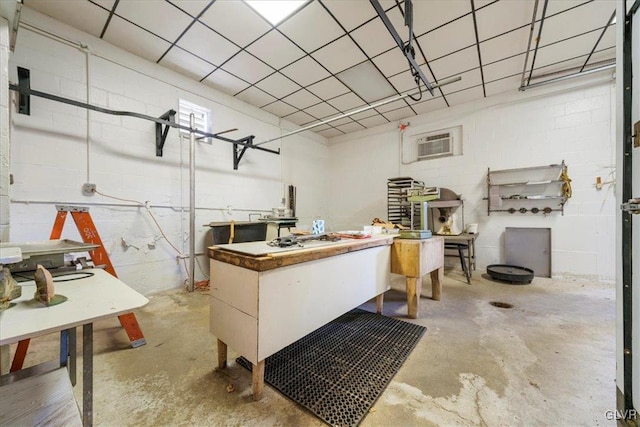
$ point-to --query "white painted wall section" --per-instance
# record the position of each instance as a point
(59, 147)
(571, 122)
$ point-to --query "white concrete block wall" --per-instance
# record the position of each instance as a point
(4, 131)
(571, 123)
(59, 147)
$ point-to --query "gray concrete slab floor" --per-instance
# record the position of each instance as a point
(549, 360)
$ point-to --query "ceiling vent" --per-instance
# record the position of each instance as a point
(435, 145)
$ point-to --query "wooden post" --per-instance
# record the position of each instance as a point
(379, 302)
(258, 380)
(437, 276)
(414, 288)
(222, 355)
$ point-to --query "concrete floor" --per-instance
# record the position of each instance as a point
(549, 360)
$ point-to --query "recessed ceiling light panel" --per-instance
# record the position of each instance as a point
(275, 11)
(366, 81)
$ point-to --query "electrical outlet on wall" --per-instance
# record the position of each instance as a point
(88, 189)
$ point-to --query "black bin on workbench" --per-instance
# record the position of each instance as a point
(244, 231)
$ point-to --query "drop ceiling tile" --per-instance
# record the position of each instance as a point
(351, 13)
(225, 82)
(404, 83)
(428, 15)
(453, 65)
(192, 7)
(328, 88)
(505, 46)
(84, 16)
(330, 133)
(236, 21)
(135, 40)
(305, 71)
(311, 27)
(208, 45)
(322, 127)
(247, 67)
(503, 16)
(300, 118)
(573, 47)
(186, 63)
(577, 21)
(276, 50)
(162, 18)
(469, 79)
(457, 35)
(255, 96)
(556, 7)
(346, 102)
(505, 68)
(339, 55)
(279, 108)
(391, 106)
(465, 96)
(350, 127)
(302, 99)
(370, 38)
(431, 104)
(322, 110)
(603, 55)
(509, 84)
(278, 85)
(373, 121)
(364, 115)
(392, 62)
(399, 114)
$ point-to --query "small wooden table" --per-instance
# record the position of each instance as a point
(415, 258)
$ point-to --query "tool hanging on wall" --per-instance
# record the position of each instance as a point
(240, 146)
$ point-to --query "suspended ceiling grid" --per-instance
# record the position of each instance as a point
(292, 70)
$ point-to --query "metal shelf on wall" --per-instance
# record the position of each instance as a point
(399, 209)
(516, 190)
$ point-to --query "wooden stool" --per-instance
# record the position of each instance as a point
(461, 247)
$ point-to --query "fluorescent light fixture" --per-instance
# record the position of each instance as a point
(366, 81)
(275, 11)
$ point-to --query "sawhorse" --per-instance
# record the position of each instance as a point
(99, 256)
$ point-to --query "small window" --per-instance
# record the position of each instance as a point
(202, 119)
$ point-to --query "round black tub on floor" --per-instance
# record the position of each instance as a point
(510, 273)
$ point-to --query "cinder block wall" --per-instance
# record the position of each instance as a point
(59, 147)
(571, 122)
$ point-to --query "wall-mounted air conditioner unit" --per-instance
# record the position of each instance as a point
(435, 145)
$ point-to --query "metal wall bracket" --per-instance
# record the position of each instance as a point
(632, 206)
(239, 152)
(24, 100)
(161, 134)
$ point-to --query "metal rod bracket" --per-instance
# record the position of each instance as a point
(239, 152)
(161, 134)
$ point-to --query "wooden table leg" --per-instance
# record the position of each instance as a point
(258, 380)
(379, 302)
(437, 276)
(222, 355)
(414, 287)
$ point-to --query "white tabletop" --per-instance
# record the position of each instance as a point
(89, 299)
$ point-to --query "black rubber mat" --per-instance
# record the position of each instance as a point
(338, 371)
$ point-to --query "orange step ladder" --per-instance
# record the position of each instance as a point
(99, 256)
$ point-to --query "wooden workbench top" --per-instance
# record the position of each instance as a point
(281, 259)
